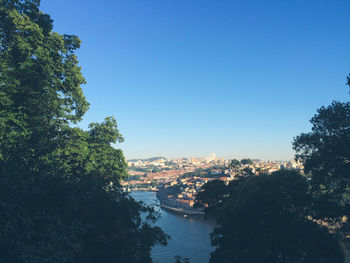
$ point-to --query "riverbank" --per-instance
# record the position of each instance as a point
(183, 211)
(173, 205)
(144, 189)
(175, 209)
(165, 204)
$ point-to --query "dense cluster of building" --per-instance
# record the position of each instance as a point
(185, 177)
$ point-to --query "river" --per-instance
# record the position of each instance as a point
(189, 235)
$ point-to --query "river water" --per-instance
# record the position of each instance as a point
(189, 235)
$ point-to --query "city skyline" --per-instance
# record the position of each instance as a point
(204, 157)
(189, 78)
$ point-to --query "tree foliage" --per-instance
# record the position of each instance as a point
(60, 199)
(212, 193)
(246, 161)
(325, 153)
(234, 163)
(265, 219)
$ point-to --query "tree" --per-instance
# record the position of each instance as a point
(60, 199)
(247, 171)
(211, 194)
(234, 163)
(246, 161)
(325, 153)
(40, 82)
(265, 219)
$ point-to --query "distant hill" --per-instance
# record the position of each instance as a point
(147, 160)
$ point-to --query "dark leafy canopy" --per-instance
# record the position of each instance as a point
(246, 161)
(212, 193)
(234, 163)
(264, 219)
(40, 82)
(325, 153)
(60, 199)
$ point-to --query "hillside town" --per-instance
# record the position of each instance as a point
(177, 181)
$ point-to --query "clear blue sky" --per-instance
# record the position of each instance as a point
(187, 78)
